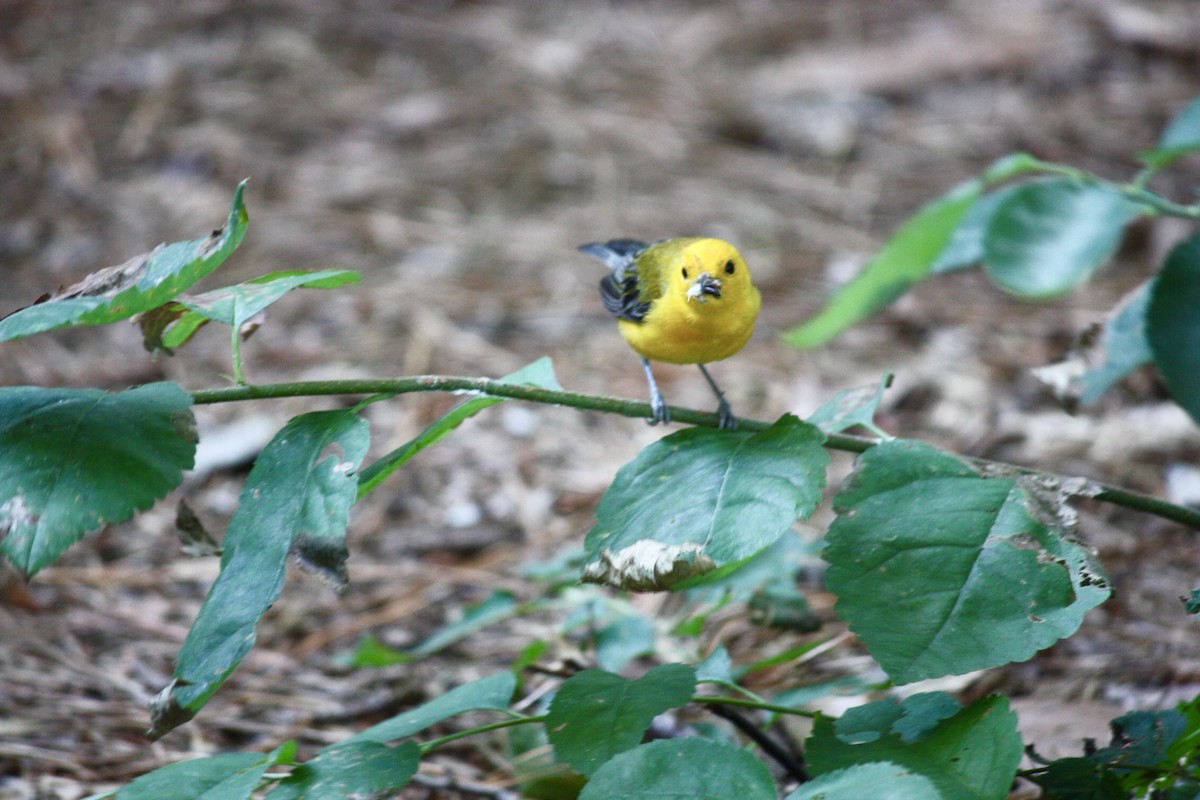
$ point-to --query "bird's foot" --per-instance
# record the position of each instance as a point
(725, 419)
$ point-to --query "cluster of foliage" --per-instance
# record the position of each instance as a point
(942, 565)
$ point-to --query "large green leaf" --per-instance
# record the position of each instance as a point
(672, 769)
(595, 714)
(1173, 324)
(493, 692)
(1180, 138)
(75, 460)
(142, 283)
(301, 488)
(907, 258)
(941, 571)
(351, 770)
(972, 755)
(1048, 236)
(878, 780)
(701, 499)
(539, 373)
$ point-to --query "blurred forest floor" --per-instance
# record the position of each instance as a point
(456, 154)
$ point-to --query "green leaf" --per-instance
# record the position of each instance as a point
(940, 571)
(172, 325)
(373, 653)
(716, 668)
(1049, 236)
(692, 768)
(1173, 324)
(1102, 359)
(595, 715)
(776, 564)
(907, 258)
(965, 248)
(622, 641)
(350, 770)
(75, 460)
(911, 720)
(223, 777)
(1143, 738)
(1180, 138)
(702, 499)
(491, 693)
(301, 488)
(235, 305)
(1191, 604)
(1080, 779)
(851, 408)
(142, 283)
(881, 780)
(972, 755)
(539, 373)
(500, 606)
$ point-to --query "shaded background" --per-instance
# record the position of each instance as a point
(456, 154)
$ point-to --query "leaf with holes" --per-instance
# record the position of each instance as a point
(941, 571)
(301, 488)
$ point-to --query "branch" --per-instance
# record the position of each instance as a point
(388, 387)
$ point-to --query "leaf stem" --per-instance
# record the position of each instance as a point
(495, 726)
(239, 373)
(485, 387)
(743, 702)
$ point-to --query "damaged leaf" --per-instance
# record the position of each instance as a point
(1102, 356)
(851, 408)
(302, 485)
(172, 325)
(75, 460)
(140, 284)
(700, 500)
(940, 570)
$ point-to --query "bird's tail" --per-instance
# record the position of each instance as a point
(616, 254)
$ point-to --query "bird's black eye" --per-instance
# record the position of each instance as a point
(729, 267)
(685, 273)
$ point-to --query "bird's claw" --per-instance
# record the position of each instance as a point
(725, 419)
(662, 415)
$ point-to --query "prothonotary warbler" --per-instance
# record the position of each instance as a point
(681, 301)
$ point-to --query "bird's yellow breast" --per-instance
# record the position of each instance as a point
(684, 325)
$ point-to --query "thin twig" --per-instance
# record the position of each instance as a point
(792, 765)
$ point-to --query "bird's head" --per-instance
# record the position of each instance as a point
(711, 269)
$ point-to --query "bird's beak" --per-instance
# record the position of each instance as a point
(704, 287)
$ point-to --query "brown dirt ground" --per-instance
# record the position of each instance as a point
(455, 154)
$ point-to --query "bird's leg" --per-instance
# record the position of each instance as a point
(657, 403)
(725, 418)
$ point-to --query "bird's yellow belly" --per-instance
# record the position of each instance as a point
(686, 339)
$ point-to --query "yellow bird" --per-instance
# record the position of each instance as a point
(681, 301)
